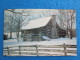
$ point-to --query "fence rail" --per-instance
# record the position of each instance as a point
(40, 50)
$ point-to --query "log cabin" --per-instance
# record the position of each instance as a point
(36, 29)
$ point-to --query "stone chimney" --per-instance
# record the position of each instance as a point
(54, 33)
(53, 17)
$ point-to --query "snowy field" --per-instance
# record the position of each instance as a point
(59, 41)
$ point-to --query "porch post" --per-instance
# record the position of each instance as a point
(31, 36)
(40, 36)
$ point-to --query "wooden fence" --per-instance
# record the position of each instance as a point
(40, 50)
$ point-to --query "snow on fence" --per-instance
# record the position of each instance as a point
(40, 50)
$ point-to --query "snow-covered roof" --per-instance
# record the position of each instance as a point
(37, 23)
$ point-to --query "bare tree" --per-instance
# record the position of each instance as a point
(17, 17)
(71, 20)
(67, 17)
(8, 23)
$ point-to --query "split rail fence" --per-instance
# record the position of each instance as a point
(40, 50)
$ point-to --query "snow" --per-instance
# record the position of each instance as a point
(37, 23)
(45, 37)
(59, 41)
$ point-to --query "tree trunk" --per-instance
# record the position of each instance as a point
(10, 32)
(67, 30)
(71, 30)
(18, 31)
(71, 34)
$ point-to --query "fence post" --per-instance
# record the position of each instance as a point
(36, 49)
(8, 50)
(19, 50)
(65, 53)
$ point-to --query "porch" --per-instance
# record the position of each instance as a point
(32, 37)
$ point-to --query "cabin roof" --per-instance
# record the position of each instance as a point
(37, 23)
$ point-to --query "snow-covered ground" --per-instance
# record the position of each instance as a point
(59, 41)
